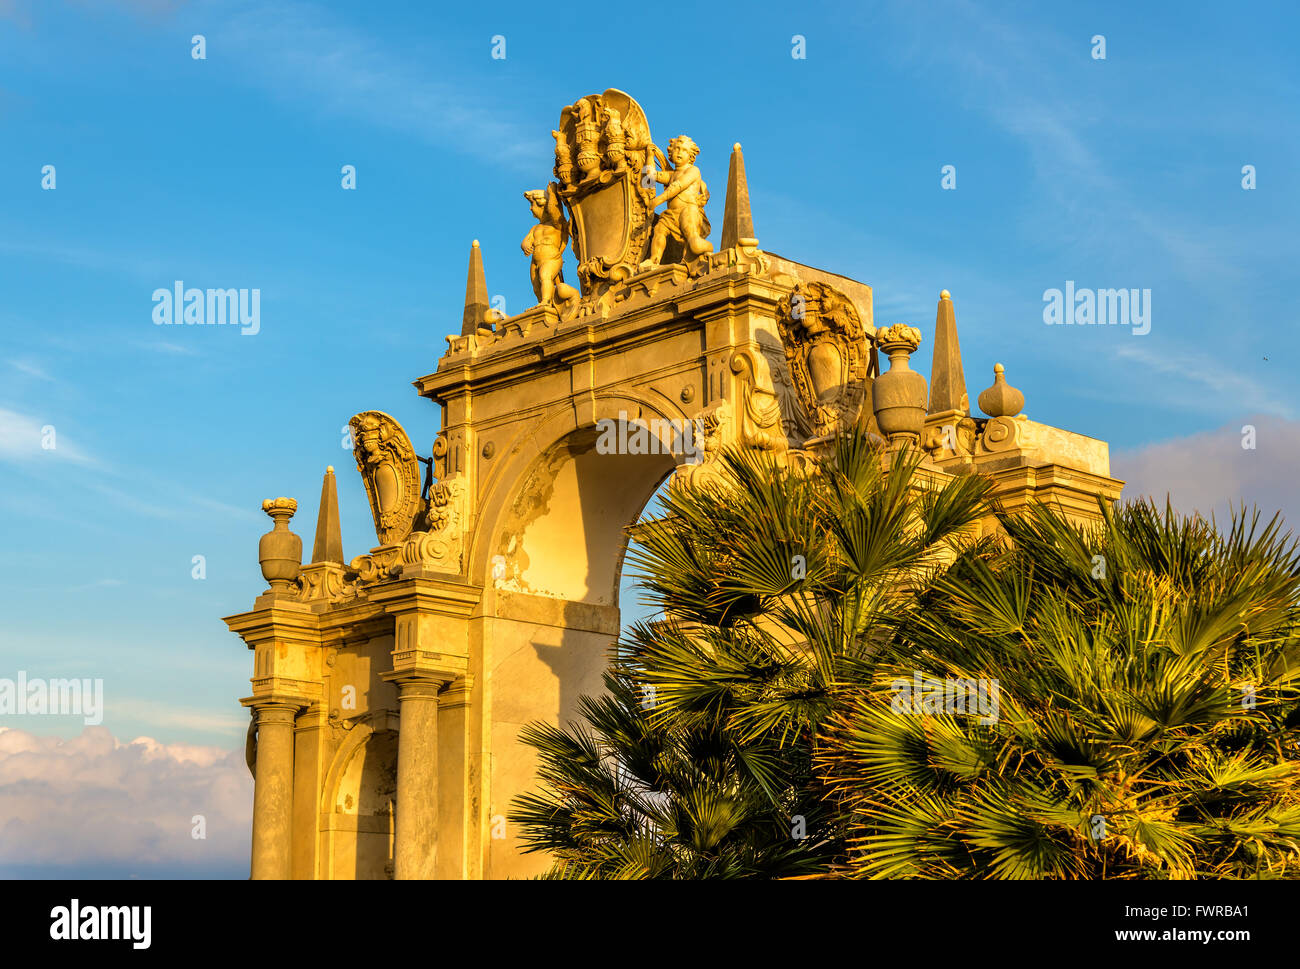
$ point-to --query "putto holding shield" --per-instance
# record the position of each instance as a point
(686, 195)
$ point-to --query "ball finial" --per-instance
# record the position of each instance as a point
(1001, 400)
(736, 147)
(944, 294)
(475, 243)
(329, 469)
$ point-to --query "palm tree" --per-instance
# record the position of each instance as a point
(1147, 715)
(773, 588)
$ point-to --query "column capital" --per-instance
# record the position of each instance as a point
(413, 684)
(276, 708)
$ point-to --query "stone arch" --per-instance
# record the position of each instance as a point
(357, 799)
(558, 514)
(536, 447)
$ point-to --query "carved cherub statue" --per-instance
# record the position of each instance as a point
(545, 242)
(686, 195)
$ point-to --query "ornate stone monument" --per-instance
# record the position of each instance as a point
(389, 690)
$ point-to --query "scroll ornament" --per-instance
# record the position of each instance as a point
(753, 420)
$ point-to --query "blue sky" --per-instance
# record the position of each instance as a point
(225, 172)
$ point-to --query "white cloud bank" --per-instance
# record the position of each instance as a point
(94, 807)
(1210, 471)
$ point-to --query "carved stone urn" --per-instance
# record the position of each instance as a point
(280, 550)
(899, 396)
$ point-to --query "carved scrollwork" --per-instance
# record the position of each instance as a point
(439, 545)
(826, 346)
(1005, 434)
(760, 408)
(382, 563)
(323, 581)
(753, 421)
(444, 510)
(955, 438)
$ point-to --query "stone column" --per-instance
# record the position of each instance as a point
(273, 790)
(415, 837)
(453, 793)
(308, 778)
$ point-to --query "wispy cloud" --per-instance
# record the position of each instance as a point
(98, 584)
(172, 717)
(165, 346)
(1027, 88)
(98, 260)
(31, 369)
(26, 439)
(297, 52)
(1197, 373)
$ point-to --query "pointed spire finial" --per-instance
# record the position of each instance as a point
(737, 222)
(476, 295)
(328, 546)
(947, 378)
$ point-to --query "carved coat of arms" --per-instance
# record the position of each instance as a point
(830, 360)
(602, 150)
(391, 472)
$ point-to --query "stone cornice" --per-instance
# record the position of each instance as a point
(1074, 489)
(426, 595)
(283, 621)
(653, 322)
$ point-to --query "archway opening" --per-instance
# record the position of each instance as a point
(556, 581)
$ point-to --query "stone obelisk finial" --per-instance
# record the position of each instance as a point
(737, 223)
(329, 537)
(476, 296)
(947, 379)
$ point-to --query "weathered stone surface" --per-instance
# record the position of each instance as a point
(328, 546)
(947, 378)
(737, 221)
(477, 303)
(390, 692)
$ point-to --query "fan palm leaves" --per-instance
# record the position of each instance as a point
(1146, 674)
(772, 587)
